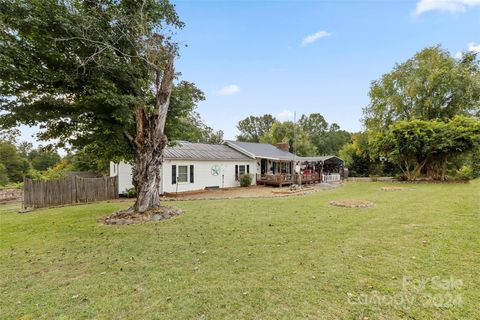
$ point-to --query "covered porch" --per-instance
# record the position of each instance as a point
(305, 170)
(276, 172)
(329, 168)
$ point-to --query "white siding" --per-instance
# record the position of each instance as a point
(203, 176)
(124, 172)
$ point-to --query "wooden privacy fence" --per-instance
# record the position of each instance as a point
(40, 193)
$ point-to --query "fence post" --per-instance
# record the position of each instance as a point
(116, 186)
(75, 189)
(105, 188)
(24, 193)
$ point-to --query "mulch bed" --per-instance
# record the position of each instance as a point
(293, 190)
(352, 203)
(131, 217)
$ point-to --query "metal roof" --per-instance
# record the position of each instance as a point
(203, 151)
(260, 150)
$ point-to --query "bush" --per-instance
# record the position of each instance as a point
(130, 193)
(59, 171)
(464, 173)
(3, 175)
(246, 180)
(34, 174)
(475, 163)
(13, 185)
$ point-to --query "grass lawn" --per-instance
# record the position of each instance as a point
(415, 255)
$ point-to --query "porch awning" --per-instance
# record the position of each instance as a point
(322, 159)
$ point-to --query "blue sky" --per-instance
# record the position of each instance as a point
(253, 50)
(252, 57)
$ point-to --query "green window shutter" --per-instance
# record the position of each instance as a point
(236, 172)
(248, 168)
(174, 174)
(191, 173)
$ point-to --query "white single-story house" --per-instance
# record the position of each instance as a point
(191, 166)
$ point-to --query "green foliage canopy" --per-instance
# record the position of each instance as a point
(75, 70)
(41, 159)
(431, 85)
(416, 144)
(12, 162)
(286, 132)
(253, 128)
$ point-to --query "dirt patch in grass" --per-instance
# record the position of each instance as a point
(394, 188)
(352, 203)
(131, 217)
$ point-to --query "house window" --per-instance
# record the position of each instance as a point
(241, 169)
(182, 173)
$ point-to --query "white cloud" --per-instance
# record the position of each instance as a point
(472, 47)
(284, 115)
(451, 6)
(314, 37)
(229, 90)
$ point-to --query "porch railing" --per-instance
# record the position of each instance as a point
(331, 177)
(276, 178)
(308, 178)
(287, 178)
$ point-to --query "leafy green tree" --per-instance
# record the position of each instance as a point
(432, 85)
(59, 171)
(313, 124)
(41, 159)
(9, 135)
(24, 148)
(475, 162)
(89, 158)
(286, 132)
(332, 141)
(183, 122)
(253, 128)
(211, 136)
(3, 175)
(12, 161)
(418, 144)
(327, 139)
(92, 72)
(357, 157)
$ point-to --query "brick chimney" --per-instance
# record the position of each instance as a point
(284, 146)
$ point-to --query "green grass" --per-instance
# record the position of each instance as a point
(282, 258)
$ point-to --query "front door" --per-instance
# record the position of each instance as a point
(263, 166)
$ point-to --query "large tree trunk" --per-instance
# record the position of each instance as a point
(412, 168)
(437, 168)
(147, 176)
(150, 141)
